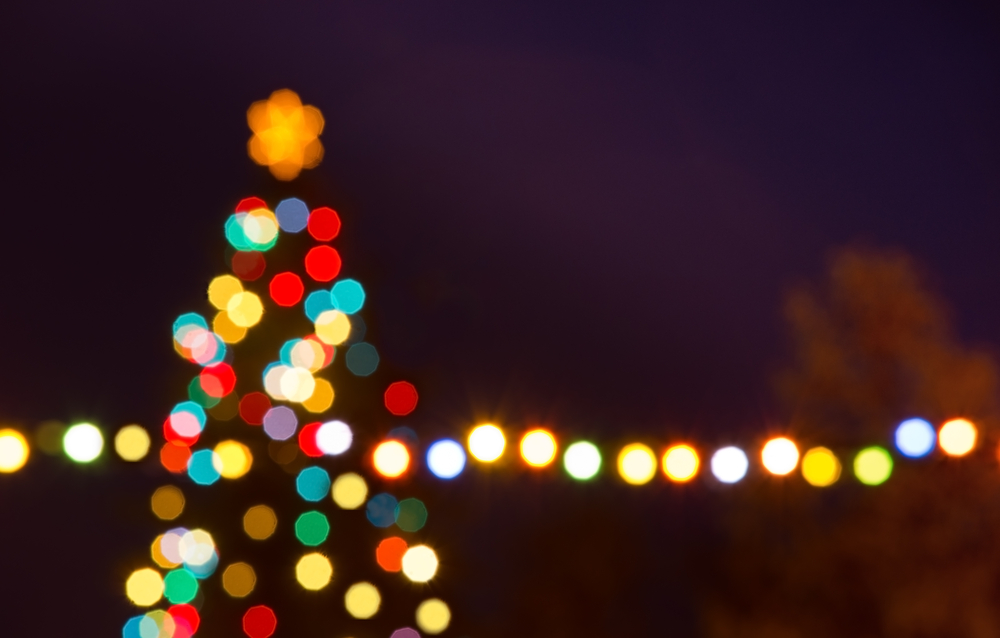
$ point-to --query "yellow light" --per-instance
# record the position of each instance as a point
(13, 451)
(222, 289)
(820, 467)
(333, 327)
(391, 458)
(239, 580)
(314, 571)
(349, 491)
(486, 443)
(362, 600)
(957, 437)
(433, 616)
(244, 309)
(228, 331)
(235, 457)
(144, 587)
(286, 134)
(636, 464)
(680, 463)
(321, 399)
(420, 563)
(873, 466)
(297, 384)
(259, 522)
(538, 448)
(780, 456)
(156, 552)
(132, 443)
(167, 502)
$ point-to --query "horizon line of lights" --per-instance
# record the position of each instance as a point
(636, 463)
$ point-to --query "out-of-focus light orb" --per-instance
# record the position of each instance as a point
(957, 437)
(13, 450)
(680, 463)
(820, 467)
(244, 309)
(314, 571)
(205, 467)
(349, 491)
(221, 290)
(636, 464)
(235, 458)
(144, 587)
(259, 522)
(83, 442)
(259, 622)
(780, 456)
(582, 460)
(321, 398)
(389, 554)
(381, 510)
(332, 327)
(156, 624)
(420, 563)
(313, 483)
(391, 458)
(433, 616)
(730, 464)
(538, 448)
(915, 438)
(132, 443)
(486, 443)
(411, 515)
(285, 134)
(156, 552)
(873, 466)
(167, 502)
(196, 548)
(238, 580)
(362, 600)
(405, 632)
(312, 528)
(334, 437)
(446, 459)
(180, 586)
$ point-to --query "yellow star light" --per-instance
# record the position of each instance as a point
(286, 134)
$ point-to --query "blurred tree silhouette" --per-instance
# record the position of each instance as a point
(917, 556)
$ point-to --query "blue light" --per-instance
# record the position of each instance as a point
(362, 359)
(131, 628)
(292, 214)
(313, 484)
(202, 467)
(446, 459)
(317, 303)
(381, 510)
(915, 438)
(348, 296)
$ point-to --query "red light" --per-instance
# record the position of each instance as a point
(286, 289)
(248, 204)
(307, 440)
(171, 435)
(218, 380)
(174, 457)
(259, 622)
(324, 224)
(253, 407)
(328, 350)
(389, 554)
(322, 263)
(248, 265)
(401, 398)
(185, 614)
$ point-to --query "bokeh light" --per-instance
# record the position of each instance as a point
(321, 398)
(582, 460)
(167, 502)
(381, 510)
(486, 443)
(292, 214)
(239, 579)
(144, 587)
(362, 359)
(313, 483)
(244, 309)
(83, 442)
(222, 289)
(362, 600)
(680, 463)
(280, 423)
(205, 467)
(332, 327)
(420, 563)
(312, 528)
(285, 135)
(334, 437)
(873, 466)
(174, 456)
(636, 464)
(349, 491)
(446, 458)
(259, 622)
(235, 458)
(820, 467)
(13, 450)
(389, 554)
(915, 438)
(957, 437)
(324, 224)
(538, 448)
(180, 586)
(132, 443)
(322, 263)
(405, 632)
(348, 296)
(156, 552)
(730, 464)
(433, 616)
(401, 398)
(780, 456)
(391, 459)
(259, 522)
(411, 515)
(286, 289)
(314, 571)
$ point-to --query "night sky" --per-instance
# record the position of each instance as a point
(573, 214)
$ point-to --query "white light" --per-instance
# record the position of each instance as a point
(486, 443)
(334, 437)
(83, 442)
(582, 460)
(446, 459)
(730, 464)
(915, 437)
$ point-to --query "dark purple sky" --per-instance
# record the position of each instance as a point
(574, 212)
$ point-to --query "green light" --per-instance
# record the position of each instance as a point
(199, 396)
(180, 586)
(312, 528)
(411, 515)
(873, 466)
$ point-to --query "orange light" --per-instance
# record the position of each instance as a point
(286, 134)
(538, 448)
(680, 463)
(957, 437)
(391, 458)
(389, 554)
